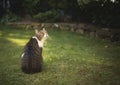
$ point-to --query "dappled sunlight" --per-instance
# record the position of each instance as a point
(19, 42)
(18, 35)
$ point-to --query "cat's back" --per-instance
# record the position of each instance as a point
(32, 57)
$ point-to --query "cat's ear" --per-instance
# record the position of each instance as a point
(36, 31)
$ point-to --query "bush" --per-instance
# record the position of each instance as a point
(101, 13)
(9, 18)
(48, 16)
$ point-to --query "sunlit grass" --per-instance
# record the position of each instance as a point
(19, 42)
(69, 59)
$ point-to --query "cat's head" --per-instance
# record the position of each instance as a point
(41, 35)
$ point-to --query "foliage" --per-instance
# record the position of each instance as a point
(9, 18)
(101, 12)
(30, 4)
(82, 2)
(69, 59)
(51, 15)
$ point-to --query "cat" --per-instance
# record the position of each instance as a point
(32, 59)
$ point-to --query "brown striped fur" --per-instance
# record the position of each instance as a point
(32, 59)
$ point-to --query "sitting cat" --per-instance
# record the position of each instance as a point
(32, 59)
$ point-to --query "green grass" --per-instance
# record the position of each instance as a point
(69, 59)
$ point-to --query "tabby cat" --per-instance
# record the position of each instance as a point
(32, 59)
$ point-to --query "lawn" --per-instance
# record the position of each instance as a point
(69, 59)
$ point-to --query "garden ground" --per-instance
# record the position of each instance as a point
(69, 59)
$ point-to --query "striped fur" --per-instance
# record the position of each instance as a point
(32, 59)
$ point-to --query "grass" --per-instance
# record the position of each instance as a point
(69, 59)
